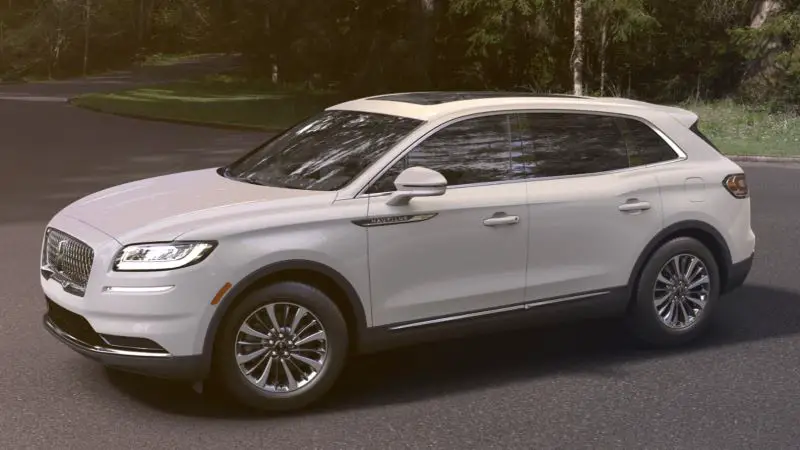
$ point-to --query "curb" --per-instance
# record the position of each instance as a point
(218, 125)
(765, 159)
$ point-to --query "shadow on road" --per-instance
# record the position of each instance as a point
(752, 313)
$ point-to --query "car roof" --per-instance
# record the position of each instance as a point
(431, 105)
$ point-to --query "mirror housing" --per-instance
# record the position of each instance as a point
(417, 182)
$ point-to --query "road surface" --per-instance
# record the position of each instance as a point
(580, 386)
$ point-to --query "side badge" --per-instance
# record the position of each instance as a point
(393, 220)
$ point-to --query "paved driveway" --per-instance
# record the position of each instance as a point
(581, 386)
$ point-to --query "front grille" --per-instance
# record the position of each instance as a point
(72, 324)
(68, 258)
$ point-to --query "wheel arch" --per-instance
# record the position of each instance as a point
(703, 232)
(320, 275)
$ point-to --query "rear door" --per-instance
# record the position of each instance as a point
(594, 203)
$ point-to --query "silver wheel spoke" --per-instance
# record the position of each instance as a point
(700, 303)
(241, 359)
(273, 320)
(664, 280)
(308, 361)
(663, 309)
(676, 266)
(660, 301)
(319, 335)
(690, 270)
(703, 280)
(262, 380)
(685, 314)
(276, 361)
(247, 329)
(291, 383)
(686, 282)
(301, 312)
(256, 365)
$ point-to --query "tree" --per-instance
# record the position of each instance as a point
(617, 21)
(577, 49)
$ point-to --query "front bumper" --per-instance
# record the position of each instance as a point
(80, 337)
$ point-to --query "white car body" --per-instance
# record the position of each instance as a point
(395, 269)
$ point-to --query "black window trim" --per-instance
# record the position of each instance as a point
(680, 155)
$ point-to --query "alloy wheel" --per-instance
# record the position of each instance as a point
(281, 347)
(681, 291)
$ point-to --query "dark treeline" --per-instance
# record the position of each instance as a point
(654, 49)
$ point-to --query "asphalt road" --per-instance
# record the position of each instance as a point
(577, 386)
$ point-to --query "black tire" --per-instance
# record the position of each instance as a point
(231, 378)
(643, 318)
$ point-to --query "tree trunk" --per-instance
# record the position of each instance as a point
(86, 36)
(603, 48)
(761, 71)
(762, 10)
(577, 49)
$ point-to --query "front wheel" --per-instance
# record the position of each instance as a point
(676, 294)
(282, 347)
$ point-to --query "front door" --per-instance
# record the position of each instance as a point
(463, 252)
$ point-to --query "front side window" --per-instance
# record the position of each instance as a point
(572, 144)
(476, 150)
(324, 152)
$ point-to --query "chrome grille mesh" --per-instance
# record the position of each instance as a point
(69, 259)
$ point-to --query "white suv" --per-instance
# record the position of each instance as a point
(396, 219)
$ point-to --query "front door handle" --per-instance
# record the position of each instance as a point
(633, 206)
(501, 220)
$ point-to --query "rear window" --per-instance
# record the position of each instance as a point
(702, 136)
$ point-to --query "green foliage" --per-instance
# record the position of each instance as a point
(773, 55)
(659, 50)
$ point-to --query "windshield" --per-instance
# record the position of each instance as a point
(324, 152)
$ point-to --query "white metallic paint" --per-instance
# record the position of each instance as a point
(571, 237)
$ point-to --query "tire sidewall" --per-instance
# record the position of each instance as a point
(646, 320)
(300, 294)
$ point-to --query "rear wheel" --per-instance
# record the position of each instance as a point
(676, 294)
(282, 347)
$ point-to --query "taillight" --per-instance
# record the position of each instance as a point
(736, 184)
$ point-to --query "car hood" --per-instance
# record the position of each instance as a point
(166, 206)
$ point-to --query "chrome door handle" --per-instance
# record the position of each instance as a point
(501, 220)
(634, 206)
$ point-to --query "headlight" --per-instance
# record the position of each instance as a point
(162, 256)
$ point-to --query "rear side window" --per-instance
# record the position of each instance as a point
(572, 144)
(645, 146)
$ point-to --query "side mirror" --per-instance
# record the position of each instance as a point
(417, 182)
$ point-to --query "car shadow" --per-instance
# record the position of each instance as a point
(751, 313)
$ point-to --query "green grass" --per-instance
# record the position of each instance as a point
(217, 100)
(748, 130)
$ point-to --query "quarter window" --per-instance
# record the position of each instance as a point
(477, 150)
(645, 146)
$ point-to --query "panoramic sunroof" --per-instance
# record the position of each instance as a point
(439, 97)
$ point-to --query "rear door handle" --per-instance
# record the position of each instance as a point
(501, 220)
(633, 206)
